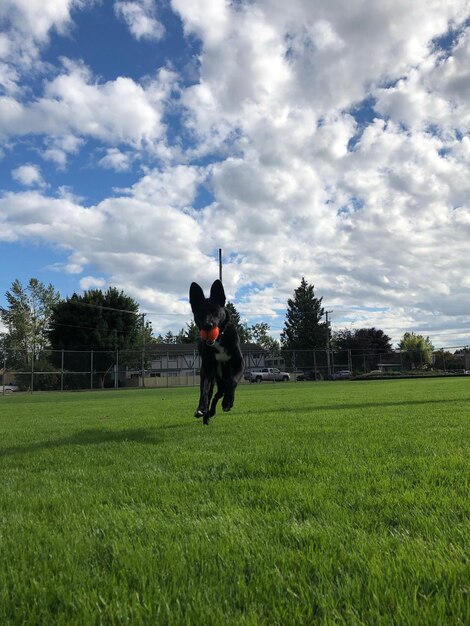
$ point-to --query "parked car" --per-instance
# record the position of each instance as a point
(342, 375)
(266, 373)
(309, 375)
(8, 388)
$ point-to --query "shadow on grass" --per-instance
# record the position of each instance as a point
(96, 436)
(340, 406)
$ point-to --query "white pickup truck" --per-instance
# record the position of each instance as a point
(266, 373)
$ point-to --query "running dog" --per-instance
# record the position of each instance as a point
(219, 348)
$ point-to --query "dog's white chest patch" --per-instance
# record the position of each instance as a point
(221, 355)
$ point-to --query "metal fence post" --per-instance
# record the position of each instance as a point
(91, 370)
(4, 375)
(116, 371)
(143, 366)
(62, 372)
(32, 371)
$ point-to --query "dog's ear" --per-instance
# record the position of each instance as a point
(218, 293)
(226, 319)
(196, 296)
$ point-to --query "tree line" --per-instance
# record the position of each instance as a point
(37, 320)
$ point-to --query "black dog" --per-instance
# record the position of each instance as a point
(221, 359)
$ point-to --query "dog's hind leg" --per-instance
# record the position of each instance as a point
(229, 395)
(207, 388)
(219, 393)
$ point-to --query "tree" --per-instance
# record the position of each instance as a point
(445, 360)
(188, 335)
(366, 345)
(259, 333)
(27, 320)
(98, 321)
(102, 322)
(417, 350)
(244, 332)
(170, 337)
(303, 328)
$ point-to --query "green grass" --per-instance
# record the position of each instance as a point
(328, 503)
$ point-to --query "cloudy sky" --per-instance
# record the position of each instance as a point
(324, 139)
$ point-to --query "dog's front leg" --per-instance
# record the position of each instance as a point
(206, 388)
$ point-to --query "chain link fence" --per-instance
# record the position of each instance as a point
(179, 365)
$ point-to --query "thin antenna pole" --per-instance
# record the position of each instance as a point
(220, 264)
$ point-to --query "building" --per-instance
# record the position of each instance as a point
(170, 360)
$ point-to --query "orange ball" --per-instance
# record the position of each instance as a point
(209, 335)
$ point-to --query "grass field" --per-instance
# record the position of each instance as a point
(328, 503)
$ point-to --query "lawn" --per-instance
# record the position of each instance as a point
(329, 503)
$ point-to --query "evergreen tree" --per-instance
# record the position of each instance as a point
(190, 334)
(170, 337)
(244, 332)
(303, 328)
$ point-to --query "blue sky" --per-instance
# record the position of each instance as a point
(308, 139)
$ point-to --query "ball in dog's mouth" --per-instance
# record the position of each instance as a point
(209, 335)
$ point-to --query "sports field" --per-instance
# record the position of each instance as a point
(329, 503)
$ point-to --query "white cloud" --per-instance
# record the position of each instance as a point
(51, 220)
(75, 104)
(375, 214)
(322, 56)
(92, 282)
(149, 241)
(115, 160)
(68, 268)
(28, 175)
(37, 17)
(27, 28)
(141, 18)
(208, 19)
(435, 94)
(61, 147)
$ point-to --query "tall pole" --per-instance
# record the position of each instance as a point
(220, 264)
(143, 349)
(328, 343)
